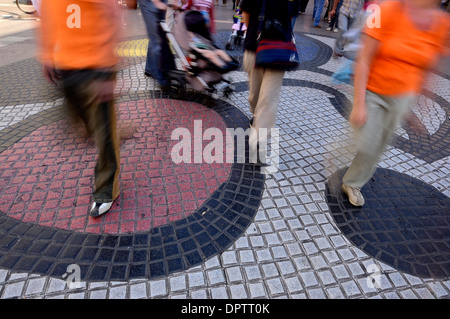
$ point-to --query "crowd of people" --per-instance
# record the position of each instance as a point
(388, 73)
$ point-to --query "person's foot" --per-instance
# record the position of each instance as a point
(337, 54)
(354, 195)
(148, 74)
(336, 30)
(98, 209)
(317, 26)
(328, 29)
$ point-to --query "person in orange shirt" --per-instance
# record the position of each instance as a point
(77, 41)
(389, 75)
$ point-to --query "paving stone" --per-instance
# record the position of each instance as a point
(309, 279)
(119, 292)
(257, 290)
(138, 291)
(253, 273)
(35, 286)
(219, 293)
(238, 291)
(159, 287)
(98, 294)
(234, 274)
(275, 286)
(13, 290)
(216, 276)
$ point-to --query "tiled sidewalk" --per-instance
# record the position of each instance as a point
(294, 246)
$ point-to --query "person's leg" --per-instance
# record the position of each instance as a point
(254, 79)
(343, 22)
(303, 5)
(383, 117)
(151, 19)
(318, 12)
(81, 90)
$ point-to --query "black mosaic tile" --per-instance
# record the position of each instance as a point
(138, 271)
(406, 235)
(122, 256)
(118, 272)
(139, 256)
(157, 269)
(98, 273)
(175, 264)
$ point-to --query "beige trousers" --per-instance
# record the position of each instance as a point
(384, 113)
(264, 91)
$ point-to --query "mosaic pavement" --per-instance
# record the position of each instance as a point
(218, 230)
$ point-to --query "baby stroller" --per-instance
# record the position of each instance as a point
(203, 63)
(238, 30)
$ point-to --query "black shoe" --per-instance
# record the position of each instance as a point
(251, 121)
(148, 74)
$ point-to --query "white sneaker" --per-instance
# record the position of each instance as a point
(98, 209)
(336, 30)
(354, 195)
(328, 29)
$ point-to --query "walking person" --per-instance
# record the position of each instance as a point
(349, 12)
(389, 74)
(77, 46)
(206, 7)
(264, 83)
(334, 25)
(159, 57)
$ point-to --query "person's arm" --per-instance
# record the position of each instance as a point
(160, 5)
(358, 115)
(333, 10)
(246, 18)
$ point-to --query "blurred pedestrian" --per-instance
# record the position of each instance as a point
(174, 6)
(159, 56)
(389, 75)
(77, 46)
(349, 12)
(334, 18)
(206, 7)
(264, 84)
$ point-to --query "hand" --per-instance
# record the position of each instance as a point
(50, 74)
(358, 117)
(332, 13)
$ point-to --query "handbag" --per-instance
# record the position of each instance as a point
(274, 53)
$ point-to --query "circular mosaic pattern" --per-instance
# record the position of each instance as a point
(49, 173)
(212, 227)
(404, 223)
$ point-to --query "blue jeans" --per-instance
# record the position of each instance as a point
(318, 8)
(159, 57)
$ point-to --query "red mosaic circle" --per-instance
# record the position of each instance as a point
(47, 176)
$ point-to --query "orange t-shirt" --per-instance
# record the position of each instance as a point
(78, 34)
(405, 52)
